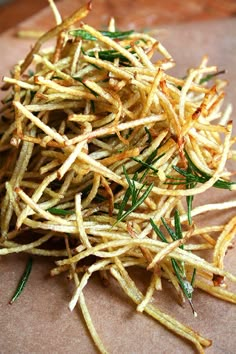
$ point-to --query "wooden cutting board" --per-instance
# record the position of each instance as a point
(40, 322)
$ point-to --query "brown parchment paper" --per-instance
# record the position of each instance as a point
(40, 321)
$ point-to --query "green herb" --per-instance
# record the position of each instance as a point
(23, 281)
(109, 55)
(134, 193)
(58, 211)
(7, 100)
(117, 34)
(145, 164)
(32, 94)
(92, 106)
(193, 175)
(30, 73)
(148, 134)
(205, 78)
(176, 234)
(84, 84)
(210, 76)
(158, 231)
(185, 284)
(178, 228)
(87, 36)
(148, 164)
(169, 230)
(193, 276)
(189, 198)
(127, 135)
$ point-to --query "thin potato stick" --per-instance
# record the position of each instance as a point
(76, 16)
(70, 160)
(36, 196)
(95, 267)
(223, 242)
(217, 291)
(55, 11)
(79, 221)
(48, 216)
(208, 207)
(84, 308)
(150, 291)
(122, 126)
(39, 123)
(22, 248)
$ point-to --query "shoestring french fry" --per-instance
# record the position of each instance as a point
(105, 152)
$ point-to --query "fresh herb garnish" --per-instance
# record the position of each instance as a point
(193, 175)
(193, 276)
(58, 211)
(92, 106)
(179, 270)
(145, 164)
(189, 198)
(109, 55)
(31, 73)
(84, 84)
(148, 164)
(134, 194)
(205, 78)
(210, 76)
(148, 134)
(87, 36)
(22, 281)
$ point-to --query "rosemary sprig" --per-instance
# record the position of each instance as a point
(87, 36)
(148, 134)
(178, 228)
(190, 177)
(169, 230)
(210, 76)
(92, 106)
(193, 175)
(84, 84)
(205, 78)
(109, 55)
(31, 73)
(133, 193)
(185, 285)
(148, 164)
(58, 211)
(145, 164)
(176, 234)
(189, 198)
(193, 276)
(22, 281)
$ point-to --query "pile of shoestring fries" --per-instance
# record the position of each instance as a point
(104, 150)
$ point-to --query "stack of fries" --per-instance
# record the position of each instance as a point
(103, 149)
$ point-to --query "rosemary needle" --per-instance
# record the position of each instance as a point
(176, 234)
(58, 211)
(87, 36)
(22, 281)
(134, 193)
